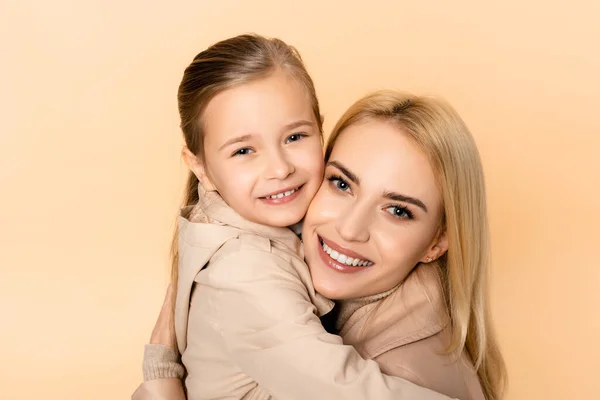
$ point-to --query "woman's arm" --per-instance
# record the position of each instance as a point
(161, 367)
(160, 389)
(263, 314)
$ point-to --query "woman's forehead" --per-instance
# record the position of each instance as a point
(384, 157)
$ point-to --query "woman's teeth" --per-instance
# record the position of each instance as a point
(282, 194)
(344, 259)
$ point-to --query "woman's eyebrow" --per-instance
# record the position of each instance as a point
(388, 195)
(352, 176)
(406, 199)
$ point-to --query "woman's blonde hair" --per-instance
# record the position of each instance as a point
(440, 132)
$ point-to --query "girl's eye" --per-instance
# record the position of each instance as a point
(295, 137)
(400, 212)
(339, 183)
(243, 151)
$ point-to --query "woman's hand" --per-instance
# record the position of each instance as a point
(164, 329)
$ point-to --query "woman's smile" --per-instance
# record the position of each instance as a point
(341, 258)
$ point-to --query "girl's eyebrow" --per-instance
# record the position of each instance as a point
(234, 140)
(290, 126)
(297, 124)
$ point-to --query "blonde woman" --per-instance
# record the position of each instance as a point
(397, 235)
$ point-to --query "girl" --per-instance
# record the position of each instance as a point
(246, 315)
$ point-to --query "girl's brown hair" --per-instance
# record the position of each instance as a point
(224, 65)
(440, 132)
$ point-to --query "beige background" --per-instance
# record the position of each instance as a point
(91, 178)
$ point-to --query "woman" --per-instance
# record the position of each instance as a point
(397, 235)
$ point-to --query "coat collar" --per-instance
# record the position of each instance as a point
(414, 311)
(212, 209)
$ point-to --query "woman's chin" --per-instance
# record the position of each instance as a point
(333, 290)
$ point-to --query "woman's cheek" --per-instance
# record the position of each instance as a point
(326, 206)
(402, 247)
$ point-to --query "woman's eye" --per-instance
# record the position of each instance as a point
(295, 137)
(400, 212)
(339, 183)
(243, 152)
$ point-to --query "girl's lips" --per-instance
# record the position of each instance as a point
(283, 200)
(340, 267)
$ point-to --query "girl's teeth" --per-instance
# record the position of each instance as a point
(282, 195)
(344, 259)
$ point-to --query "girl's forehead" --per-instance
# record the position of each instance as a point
(259, 105)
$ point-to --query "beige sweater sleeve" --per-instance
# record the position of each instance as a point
(269, 326)
(162, 375)
(161, 362)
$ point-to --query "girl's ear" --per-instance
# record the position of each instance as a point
(438, 248)
(197, 168)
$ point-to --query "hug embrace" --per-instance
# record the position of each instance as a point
(354, 270)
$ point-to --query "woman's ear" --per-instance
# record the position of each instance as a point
(197, 168)
(438, 248)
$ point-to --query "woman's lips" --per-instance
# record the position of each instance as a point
(342, 250)
(337, 264)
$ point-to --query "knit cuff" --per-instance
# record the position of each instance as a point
(161, 362)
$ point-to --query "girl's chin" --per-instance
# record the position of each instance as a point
(281, 221)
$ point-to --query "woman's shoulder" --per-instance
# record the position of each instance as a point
(427, 363)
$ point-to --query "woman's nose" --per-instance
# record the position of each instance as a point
(353, 225)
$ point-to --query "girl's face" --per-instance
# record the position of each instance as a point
(377, 214)
(263, 150)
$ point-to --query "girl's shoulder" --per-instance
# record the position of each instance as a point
(251, 262)
(250, 255)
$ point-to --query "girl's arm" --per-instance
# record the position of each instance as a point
(263, 313)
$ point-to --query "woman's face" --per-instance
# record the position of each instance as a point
(377, 214)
